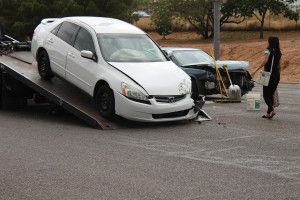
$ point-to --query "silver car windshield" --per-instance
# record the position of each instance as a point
(190, 57)
(129, 48)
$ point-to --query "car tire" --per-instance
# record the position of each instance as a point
(105, 102)
(44, 67)
(195, 92)
(202, 88)
(198, 88)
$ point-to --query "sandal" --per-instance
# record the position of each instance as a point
(272, 114)
(264, 116)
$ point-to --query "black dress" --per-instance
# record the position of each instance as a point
(268, 91)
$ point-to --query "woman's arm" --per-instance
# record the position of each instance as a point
(262, 64)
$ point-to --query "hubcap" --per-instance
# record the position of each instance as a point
(104, 101)
(43, 64)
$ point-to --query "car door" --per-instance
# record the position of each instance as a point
(58, 45)
(79, 70)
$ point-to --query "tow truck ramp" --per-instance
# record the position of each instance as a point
(18, 72)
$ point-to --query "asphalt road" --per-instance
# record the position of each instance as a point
(237, 155)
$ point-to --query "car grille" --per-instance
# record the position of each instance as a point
(169, 99)
(171, 115)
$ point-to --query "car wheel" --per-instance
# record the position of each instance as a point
(198, 88)
(44, 67)
(105, 102)
(194, 89)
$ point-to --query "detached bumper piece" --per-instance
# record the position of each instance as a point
(202, 115)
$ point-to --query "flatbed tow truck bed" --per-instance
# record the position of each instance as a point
(22, 67)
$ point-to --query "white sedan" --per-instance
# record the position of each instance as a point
(115, 63)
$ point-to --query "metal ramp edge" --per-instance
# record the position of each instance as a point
(57, 91)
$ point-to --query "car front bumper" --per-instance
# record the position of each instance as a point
(156, 111)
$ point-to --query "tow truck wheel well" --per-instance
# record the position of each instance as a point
(98, 85)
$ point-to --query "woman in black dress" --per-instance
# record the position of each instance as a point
(273, 50)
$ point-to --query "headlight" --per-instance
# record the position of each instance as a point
(185, 87)
(134, 94)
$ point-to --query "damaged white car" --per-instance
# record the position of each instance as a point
(117, 64)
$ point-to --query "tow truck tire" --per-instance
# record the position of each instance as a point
(44, 67)
(105, 102)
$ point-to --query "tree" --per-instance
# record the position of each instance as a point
(261, 7)
(199, 13)
(235, 11)
(135, 18)
(114, 8)
(92, 9)
(162, 18)
(8, 9)
(73, 9)
(292, 16)
(20, 17)
(23, 20)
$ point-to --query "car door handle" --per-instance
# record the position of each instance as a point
(71, 55)
(50, 40)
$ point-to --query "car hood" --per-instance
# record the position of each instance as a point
(232, 65)
(157, 78)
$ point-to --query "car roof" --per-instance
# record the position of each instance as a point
(107, 25)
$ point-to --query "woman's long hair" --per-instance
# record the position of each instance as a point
(274, 46)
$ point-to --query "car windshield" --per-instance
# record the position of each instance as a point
(129, 48)
(191, 57)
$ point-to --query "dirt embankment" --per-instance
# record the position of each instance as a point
(246, 50)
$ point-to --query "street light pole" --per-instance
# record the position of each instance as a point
(217, 29)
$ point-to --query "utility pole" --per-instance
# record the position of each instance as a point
(217, 28)
(217, 7)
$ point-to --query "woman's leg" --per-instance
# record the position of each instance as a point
(274, 85)
(267, 98)
(268, 93)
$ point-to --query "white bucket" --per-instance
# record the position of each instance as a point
(253, 101)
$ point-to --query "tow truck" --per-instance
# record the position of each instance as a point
(20, 81)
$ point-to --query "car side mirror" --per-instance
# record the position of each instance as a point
(88, 55)
(169, 53)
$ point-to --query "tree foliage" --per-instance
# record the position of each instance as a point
(20, 17)
(235, 11)
(259, 9)
(162, 18)
(199, 13)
